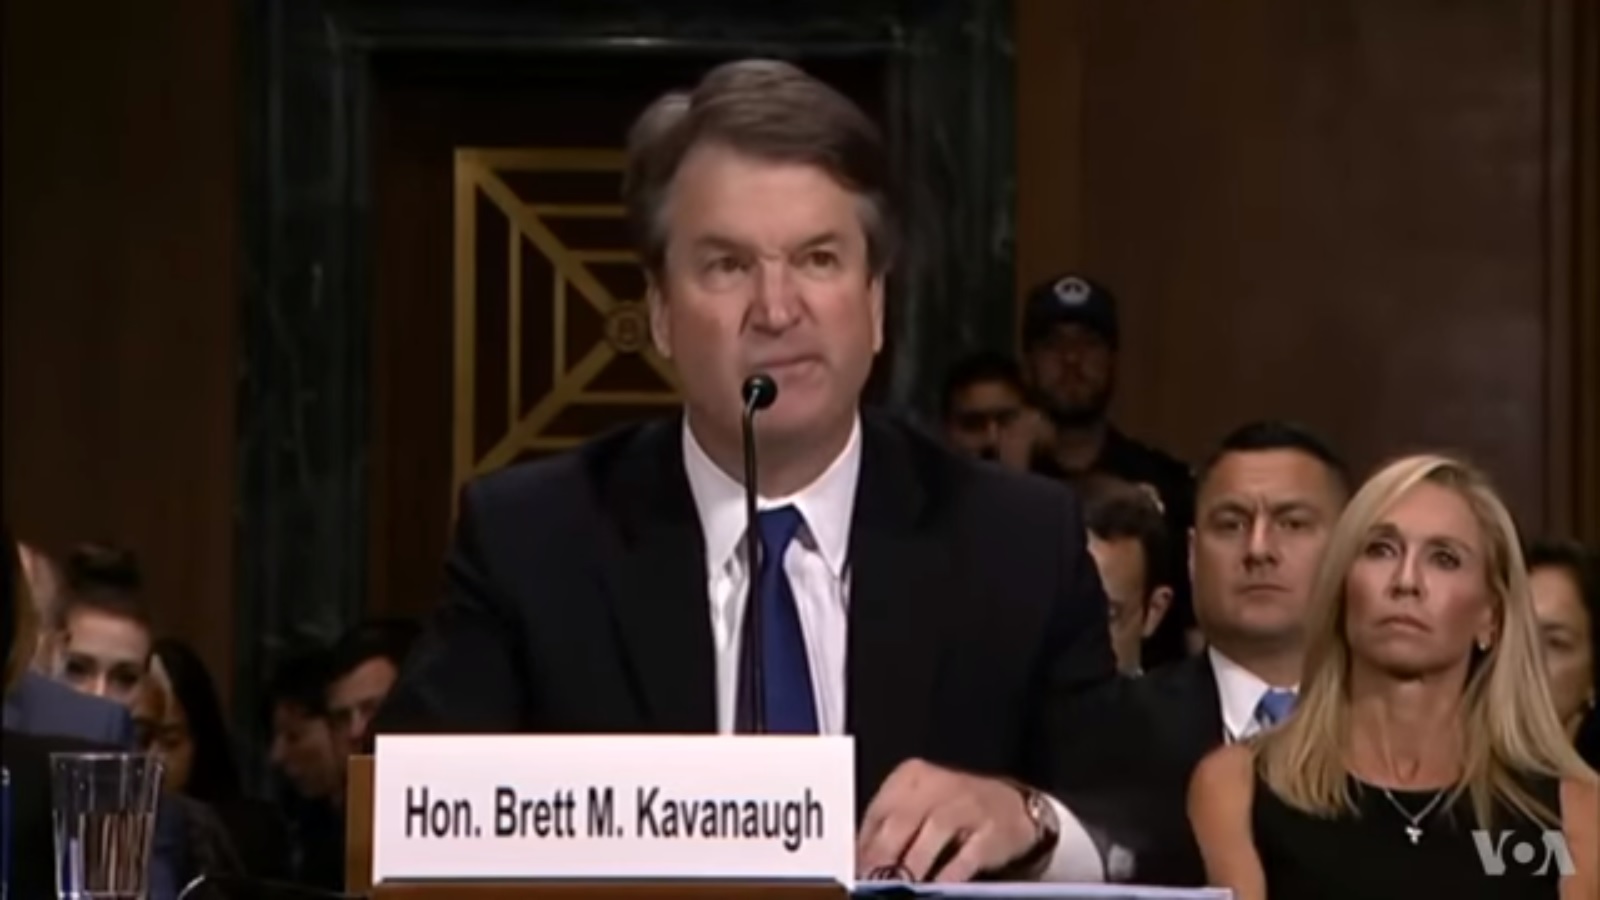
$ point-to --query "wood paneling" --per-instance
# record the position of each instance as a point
(1355, 214)
(1585, 406)
(1049, 98)
(120, 293)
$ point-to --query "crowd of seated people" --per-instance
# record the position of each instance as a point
(1305, 729)
(1367, 662)
(1313, 666)
(86, 672)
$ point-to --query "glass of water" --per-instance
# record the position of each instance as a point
(105, 812)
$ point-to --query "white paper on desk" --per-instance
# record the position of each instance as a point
(1033, 890)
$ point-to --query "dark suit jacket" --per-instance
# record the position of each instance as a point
(1173, 720)
(576, 603)
(43, 706)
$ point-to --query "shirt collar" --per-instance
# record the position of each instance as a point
(1240, 691)
(826, 504)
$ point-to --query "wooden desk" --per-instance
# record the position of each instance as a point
(358, 825)
(580, 890)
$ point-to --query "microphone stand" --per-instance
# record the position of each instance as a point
(759, 391)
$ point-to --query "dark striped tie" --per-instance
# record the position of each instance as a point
(790, 704)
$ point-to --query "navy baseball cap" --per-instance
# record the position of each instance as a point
(1069, 299)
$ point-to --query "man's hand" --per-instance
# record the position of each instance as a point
(929, 823)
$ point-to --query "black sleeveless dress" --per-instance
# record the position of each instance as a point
(1372, 857)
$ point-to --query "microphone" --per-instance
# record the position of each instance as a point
(759, 392)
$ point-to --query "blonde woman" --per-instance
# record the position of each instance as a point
(1425, 759)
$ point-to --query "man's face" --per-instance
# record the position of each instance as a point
(354, 699)
(1262, 520)
(303, 750)
(103, 654)
(979, 416)
(1073, 369)
(1134, 611)
(766, 270)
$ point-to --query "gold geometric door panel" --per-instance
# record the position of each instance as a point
(552, 341)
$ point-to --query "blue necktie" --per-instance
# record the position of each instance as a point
(790, 705)
(1275, 706)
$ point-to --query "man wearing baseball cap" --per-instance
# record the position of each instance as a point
(1070, 338)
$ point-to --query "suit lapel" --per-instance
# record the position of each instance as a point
(898, 594)
(657, 584)
(1207, 705)
(13, 706)
(1195, 709)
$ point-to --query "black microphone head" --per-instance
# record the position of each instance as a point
(759, 391)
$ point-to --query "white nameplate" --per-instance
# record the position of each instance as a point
(533, 806)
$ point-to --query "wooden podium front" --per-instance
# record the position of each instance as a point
(582, 890)
(358, 871)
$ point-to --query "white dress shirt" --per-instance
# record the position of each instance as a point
(817, 563)
(1240, 691)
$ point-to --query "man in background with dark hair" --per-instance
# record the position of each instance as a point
(986, 412)
(1268, 498)
(1071, 335)
(303, 746)
(306, 753)
(1128, 540)
(363, 667)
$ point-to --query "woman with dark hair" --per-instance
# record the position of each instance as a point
(194, 736)
(1565, 579)
(191, 734)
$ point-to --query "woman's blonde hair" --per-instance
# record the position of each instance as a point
(1508, 727)
(25, 636)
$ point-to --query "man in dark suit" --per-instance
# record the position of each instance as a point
(1267, 499)
(943, 612)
